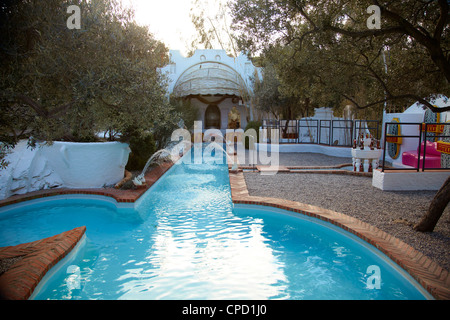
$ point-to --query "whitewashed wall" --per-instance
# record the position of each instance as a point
(408, 144)
(63, 164)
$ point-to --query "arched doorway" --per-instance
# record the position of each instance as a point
(212, 117)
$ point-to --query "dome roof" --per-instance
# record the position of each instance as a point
(210, 78)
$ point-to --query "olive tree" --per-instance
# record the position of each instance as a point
(401, 58)
(61, 83)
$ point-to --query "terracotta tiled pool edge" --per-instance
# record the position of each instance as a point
(37, 258)
(121, 196)
(426, 272)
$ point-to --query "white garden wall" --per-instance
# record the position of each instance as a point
(343, 152)
(409, 181)
(87, 165)
(63, 164)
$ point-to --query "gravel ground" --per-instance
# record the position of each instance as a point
(392, 212)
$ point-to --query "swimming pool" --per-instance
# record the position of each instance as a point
(184, 239)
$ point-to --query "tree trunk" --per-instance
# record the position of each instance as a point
(285, 129)
(437, 207)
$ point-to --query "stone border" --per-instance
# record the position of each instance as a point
(121, 196)
(426, 272)
(37, 258)
(306, 169)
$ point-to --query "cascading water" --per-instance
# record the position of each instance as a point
(157, 156)
(214, 145)
(173, 154)
(167, 154)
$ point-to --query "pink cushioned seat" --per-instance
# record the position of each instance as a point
(432, 159)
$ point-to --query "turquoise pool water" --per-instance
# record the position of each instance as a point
(184, 239)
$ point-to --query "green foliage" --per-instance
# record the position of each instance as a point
(279, 95)
(67, 84)
(142, 149)
(144, 145)
(3, 151)
(323, 50)
(252, 125)
(186, 110)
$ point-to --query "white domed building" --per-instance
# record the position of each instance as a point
(219, 85)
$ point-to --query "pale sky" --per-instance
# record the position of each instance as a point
(168, 20)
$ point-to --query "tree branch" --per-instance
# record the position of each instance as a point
(442, 22)
(365, 33)
(33, 104)
(41, 111)
(433, 45)
(375, 75)
(399, 97)
(304, 15)
(54, 112)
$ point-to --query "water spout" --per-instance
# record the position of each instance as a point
(156, 157)
(166, 154)
(174, 154)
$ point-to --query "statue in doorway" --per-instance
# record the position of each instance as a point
(234, 119)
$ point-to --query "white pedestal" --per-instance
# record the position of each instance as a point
(365, 160)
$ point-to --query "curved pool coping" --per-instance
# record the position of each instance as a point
(37, 258)
(426, 272)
